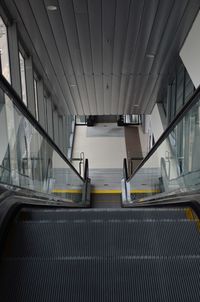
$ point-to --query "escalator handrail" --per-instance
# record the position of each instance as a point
(191, 102)
(6, 87)
(86, 170)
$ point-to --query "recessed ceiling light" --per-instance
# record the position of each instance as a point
(136, 105)
(52, 7)
(72, 85)
(150, 55)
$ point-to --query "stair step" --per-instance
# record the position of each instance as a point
(103, 238)
(90, 280)
(88, 214)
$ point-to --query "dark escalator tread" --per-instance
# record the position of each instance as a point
(105, 204)
(139, 213)
(106, 200)
(102, 238)
(101, 255)
(90, 280)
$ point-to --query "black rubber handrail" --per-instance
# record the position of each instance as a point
(8, 89)
(191, 102)
(125, 169)
(86, 171)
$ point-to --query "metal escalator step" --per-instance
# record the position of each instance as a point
(144, 213)
(102, 255)
(89, 280)
(109, 238)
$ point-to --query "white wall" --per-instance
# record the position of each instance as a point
(144, 139)
(158, 124)
(102, 152)
(190, 52)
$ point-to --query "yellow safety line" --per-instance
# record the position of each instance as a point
(191, 215)
(66, 191)
(145, 191)
(96, 191)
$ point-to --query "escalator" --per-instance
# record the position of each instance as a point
(141, 254)
(57, 244)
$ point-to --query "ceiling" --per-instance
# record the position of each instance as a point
(102, 57)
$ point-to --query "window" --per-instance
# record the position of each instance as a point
(181, 89)
(4, 54)
(36, 100)
(23, 78)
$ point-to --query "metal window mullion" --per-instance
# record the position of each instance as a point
(60, 131)
(14, 58)
(30, 85)
(169, 101)
(49, 117)
(41, 113)
(175, 96)
(55, 122)
(64, 136)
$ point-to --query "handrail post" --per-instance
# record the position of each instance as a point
(86, 186)
(126, 193)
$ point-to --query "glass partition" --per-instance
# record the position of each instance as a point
(175, 165)
(28, 160)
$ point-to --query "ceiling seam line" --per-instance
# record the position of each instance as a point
(156, 13)
(102, 56)
(112, 73)
(71, 58)
(73, 102)
(81, 56)
(162, 37)
(90, 36)
(122, 63)
(38, 56)
(49, 57)
(139, 29)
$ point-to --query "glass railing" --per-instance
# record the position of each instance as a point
(28, 157)
(173, 165)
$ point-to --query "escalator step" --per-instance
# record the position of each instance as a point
(109, 238)
(90, 280)
(148, 213)
(101, 255)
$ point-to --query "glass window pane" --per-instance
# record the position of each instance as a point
(29, 161)
(5, 66)
(174, 166)
(23, 78)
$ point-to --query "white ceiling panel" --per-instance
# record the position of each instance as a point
(105, 57)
